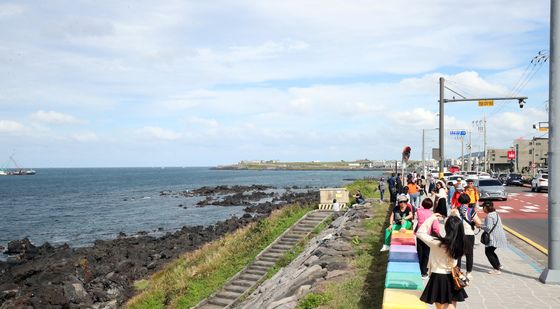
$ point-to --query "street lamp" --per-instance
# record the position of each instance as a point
(481, 102)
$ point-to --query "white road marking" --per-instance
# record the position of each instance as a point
(528, 210)
(506, 207)
(513, 194)
(529, 194)
(532, 207)
(502, 210)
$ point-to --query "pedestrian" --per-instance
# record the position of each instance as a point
(413, 192)
(381, 188)
(392, 182)
(336, 205)
(421, 191)
(440, 198)
(444, 252)
(458, 191)
(422, 248)
(450, 192)
(401, 218)
(472, 191)
(399, 184)
(431, 183)
(359, 197)
(470, 220)
(493, 226)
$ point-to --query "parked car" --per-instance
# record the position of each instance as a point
(483, 175)
(502, 178)
(455, 177)
(491, 189)
(514, 179)
(540, 182)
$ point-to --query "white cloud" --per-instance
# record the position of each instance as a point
(85, 137)
(153, 132)
(198, 121)
(10, 10)
(10, 127)
(52, 117)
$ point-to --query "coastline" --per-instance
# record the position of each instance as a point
(102, 275)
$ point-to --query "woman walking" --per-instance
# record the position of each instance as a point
(493, 226)
(440, 195)
(413, 191)
(444, 252)
(381, 188)
(470, 219)
(423, 250)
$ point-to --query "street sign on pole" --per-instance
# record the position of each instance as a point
(435, 154)
(485, 103)
(458, 132)
(511, 154)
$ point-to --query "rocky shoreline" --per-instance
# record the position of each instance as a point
(102, 276)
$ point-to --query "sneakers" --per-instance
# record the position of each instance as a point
(385, 248)
(494, 272)
(469, 275)
(425, 277)
(501, 267)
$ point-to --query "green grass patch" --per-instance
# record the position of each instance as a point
(366, 186)
(313, 300)
(198, 274)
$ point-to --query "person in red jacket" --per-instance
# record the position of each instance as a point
(458, 191)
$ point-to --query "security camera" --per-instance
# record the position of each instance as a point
(521, 103)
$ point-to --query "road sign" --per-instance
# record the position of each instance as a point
(406, 153)
(485, 103)
(458, 132)
(511, 154)
(435, 154)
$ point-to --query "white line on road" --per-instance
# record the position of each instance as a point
(528, 210)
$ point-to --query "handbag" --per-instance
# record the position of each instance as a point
(485, 237)
(460, 281)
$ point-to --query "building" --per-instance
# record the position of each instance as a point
(498, 160)
(531, 151)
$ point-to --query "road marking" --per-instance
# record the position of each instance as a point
(502, 210)
(527, 240)
(506, 207)
(513, 194)
(528, 210)
(532, 207)
(529, 194)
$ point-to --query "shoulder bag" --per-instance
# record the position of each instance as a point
(485, 237)
(460, 281)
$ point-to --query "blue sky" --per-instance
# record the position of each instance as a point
(200, 83)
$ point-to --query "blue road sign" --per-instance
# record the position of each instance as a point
(458, 132)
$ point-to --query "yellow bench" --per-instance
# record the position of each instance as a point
(403, 299)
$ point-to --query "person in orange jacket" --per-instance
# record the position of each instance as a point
(472, 192)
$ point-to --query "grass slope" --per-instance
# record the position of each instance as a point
(198, 274)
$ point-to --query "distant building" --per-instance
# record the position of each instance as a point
(498, 160)
(531, 151)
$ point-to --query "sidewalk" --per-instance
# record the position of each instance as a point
(517, 287)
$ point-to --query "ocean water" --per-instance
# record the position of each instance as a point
(79, 205)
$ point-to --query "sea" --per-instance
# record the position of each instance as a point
(80, 205)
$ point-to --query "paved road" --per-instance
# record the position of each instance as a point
(527, 213)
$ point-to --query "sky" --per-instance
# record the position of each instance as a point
(203, 83)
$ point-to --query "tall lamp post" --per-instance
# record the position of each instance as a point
(551, 275)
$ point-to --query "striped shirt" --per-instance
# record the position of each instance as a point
(498, 236)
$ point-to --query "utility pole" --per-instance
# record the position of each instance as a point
(469, 147)
(441, 125)
(462, 154)
(485, 160)
(423, 159)
(551, 275)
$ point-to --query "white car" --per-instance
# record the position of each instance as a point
(483, 175)
(540, 182)
(455, 177)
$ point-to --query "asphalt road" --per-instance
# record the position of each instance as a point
(526, 212)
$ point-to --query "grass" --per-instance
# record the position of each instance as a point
(198, 274)
(364, 288)
(366, 186)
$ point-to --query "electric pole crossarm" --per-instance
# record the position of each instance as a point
(483, 99)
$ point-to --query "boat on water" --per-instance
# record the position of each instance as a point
(17, 171)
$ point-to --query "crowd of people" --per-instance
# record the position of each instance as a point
(423, 204)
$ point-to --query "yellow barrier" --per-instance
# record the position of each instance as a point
(330, 206)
